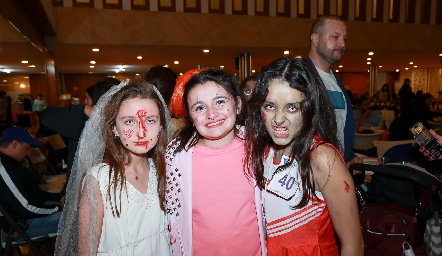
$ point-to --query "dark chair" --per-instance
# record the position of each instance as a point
(8, 238)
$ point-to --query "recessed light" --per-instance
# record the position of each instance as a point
(368, 71)
(286, 52)
(165, 65)
(31, 66)
(411, 63)
(221, 67)
(140, 57)
(415, 66)
(368, 58)
(92, 66)
(371, 53)
(397, 70)
(340, 66)
(253, 71)
(206, 50)
(24, 61)
(380, 66)
(22, 86)
(4, 81)
(368, 63)
(137, 74)
(92, 62)
(337, 71)
(440, 54)
(26, 77)
(181, 74)
(406, 68)
(95, 49)
(176, 62)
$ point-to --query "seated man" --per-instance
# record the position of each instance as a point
(20, 193)
(366, 118)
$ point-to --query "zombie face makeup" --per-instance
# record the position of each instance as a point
(281, 112)
(213, 112)
(138, 125)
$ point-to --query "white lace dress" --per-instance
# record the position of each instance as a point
(141, 228)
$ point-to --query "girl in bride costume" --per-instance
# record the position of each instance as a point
(118, 207)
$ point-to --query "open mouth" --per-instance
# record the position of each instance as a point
(280, 131)
(215, 124)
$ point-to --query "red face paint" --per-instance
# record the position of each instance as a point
(128, 133)
(143, 144)
(263, 117)
(141, 128)
(347, 187)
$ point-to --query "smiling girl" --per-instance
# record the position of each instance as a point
(308, 192)
(121, 205)
(214, 205)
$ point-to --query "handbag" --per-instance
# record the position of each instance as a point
(432, 236)
(385, 228)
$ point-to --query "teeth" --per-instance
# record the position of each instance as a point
(216, 123)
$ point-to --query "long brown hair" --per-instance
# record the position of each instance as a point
(317, 119)
(117, 156)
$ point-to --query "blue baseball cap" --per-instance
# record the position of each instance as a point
(19, 134)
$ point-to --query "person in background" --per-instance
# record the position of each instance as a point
(307, 191)
(214, 207)
(27, 103)
(406, 87)
(248, 86)
(20, 193)
(3, 108)
(327, 46)
(69, 121)
(366, 118)
(382, 95)
(423, 109)
(164, 79)
(399, 128)
(39, 105)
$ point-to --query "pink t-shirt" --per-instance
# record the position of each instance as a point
(224, 216)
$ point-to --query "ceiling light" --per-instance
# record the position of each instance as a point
(206, 50)
(371, 53)
(253, 71)
(221, 67)
(93, 62)
(181, 74)
(286, 52)
(440, 54)
(22, 86)
(91, 66)
(95, 49)
(411, 63)
(176, 62)
(368, 71)
(117, 70)
(368, 58)
(26, 77)
(397, 70)
(415, 66)
(340, 66)
(24, 61)
(165, 65)
(380, 66)
(406, 68)
(140, 57)
(5, 70)
(4, 81)
(337, 71)
(368, 63)
(31, 66)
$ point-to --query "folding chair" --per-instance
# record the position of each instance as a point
(8, 238)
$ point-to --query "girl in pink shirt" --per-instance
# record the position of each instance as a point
(213, 203)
